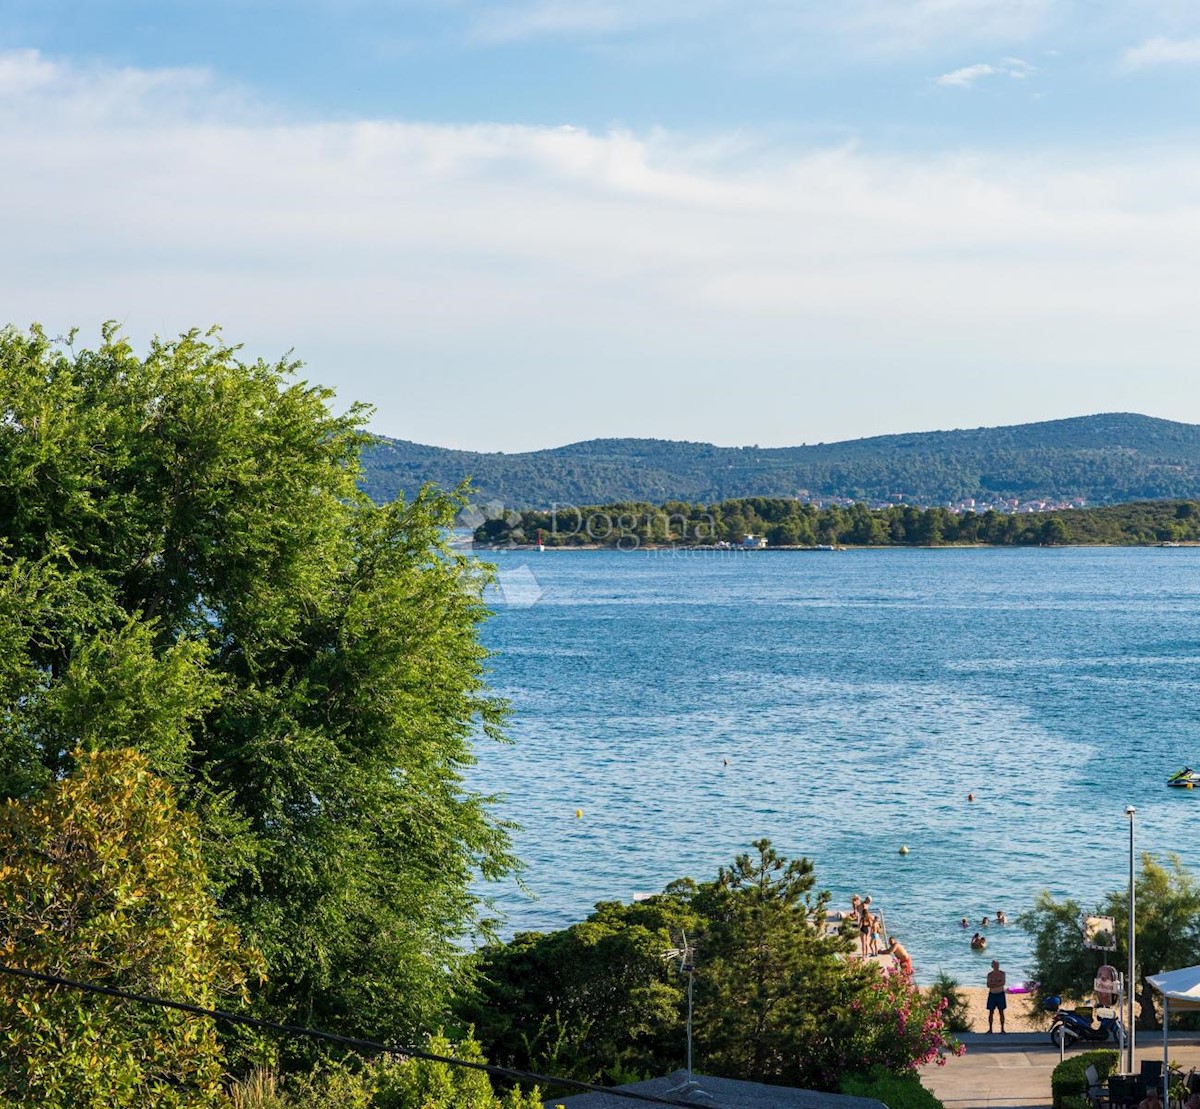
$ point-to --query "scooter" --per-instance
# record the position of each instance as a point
(1067, 1026)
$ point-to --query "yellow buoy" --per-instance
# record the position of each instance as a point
(904, 849)
(578, 814)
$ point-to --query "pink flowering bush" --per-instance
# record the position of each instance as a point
(889, 1023)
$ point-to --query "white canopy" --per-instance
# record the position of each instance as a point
(1180, 989)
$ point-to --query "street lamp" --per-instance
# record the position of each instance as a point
(1130, 1032)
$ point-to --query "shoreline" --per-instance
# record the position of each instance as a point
(1019, 1015)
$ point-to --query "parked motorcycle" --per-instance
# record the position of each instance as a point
(1067, 1026)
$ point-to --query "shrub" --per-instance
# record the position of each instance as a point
(896, 1091)
(954, 1012)
(1068, 1079)
(103, 880)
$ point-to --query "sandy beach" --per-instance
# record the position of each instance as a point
(1017, 1016)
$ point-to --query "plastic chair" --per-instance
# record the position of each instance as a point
(1095, 1091)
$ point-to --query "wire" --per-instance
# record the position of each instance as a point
(333, 1037)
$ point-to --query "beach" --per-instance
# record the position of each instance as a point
(1017, 1016)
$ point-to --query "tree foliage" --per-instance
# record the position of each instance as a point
(102, 879)
(1167, 924)
(389, 1083)
(776, 998)
(187, 566)
(791, 522)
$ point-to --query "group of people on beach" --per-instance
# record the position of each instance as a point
(870, 934)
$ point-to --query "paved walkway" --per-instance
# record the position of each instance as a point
(1013, 1071)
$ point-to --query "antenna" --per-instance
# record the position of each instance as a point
(686, 954)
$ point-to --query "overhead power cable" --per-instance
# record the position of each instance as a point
(355, 1042)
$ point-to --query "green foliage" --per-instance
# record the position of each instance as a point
(789, 522)
(423, 1084)
(957, 1005)
(1167, 924)
(1168, 934)
(1069, 1080)
(394, 1083)
(187, 567)
(1105, 459)
(102, 879)
(590, 1002)
(1062, 966)
(773, 979)
(896, 1091)
(775, 998)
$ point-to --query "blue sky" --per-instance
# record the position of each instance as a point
(526, 222)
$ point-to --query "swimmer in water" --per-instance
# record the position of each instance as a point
(1000, 917)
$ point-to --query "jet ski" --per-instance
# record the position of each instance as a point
(1186, 778)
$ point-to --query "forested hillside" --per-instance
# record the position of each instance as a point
(1103, 459)
(788, 523)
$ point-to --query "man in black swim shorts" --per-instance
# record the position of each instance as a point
(997, 998)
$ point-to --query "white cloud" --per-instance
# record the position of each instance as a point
(1163, 51)
(595, 274)
(966, 77)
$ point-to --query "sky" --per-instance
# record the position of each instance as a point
(513, 224)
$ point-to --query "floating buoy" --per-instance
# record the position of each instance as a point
(579, 814)
(903, 849)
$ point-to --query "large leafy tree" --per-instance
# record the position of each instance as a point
(102, 878)
(1167, 921)
(187, 566)
(599, 1001)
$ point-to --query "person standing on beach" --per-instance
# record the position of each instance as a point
(997, 999)
(865, 916)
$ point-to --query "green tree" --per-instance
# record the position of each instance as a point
(593, 1001)
(776, 998)
(765, 959)
(187, 565)
(102, 879)
(1168, 934)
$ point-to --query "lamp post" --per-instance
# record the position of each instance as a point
(1129, 1031)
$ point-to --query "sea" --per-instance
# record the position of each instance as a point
(671, 707)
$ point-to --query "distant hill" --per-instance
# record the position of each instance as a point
(1104, 459)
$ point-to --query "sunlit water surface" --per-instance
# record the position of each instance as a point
(858, 697)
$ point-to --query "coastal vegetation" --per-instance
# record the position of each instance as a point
(1168, 935)
(192, 585)
(1104, 459)
(791, 523)
(776, 999)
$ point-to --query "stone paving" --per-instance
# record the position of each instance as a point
(1013, 1071)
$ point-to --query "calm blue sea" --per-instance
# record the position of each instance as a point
(858, 697)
